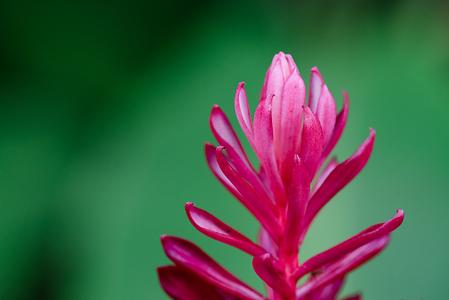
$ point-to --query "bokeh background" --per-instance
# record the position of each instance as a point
(104, 110)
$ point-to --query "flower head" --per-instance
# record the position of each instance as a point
(292, 137)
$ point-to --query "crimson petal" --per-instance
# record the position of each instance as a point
(339, 177)
(339, 127)
(214, 228)
(366, 236)
(269, 270)
(348, 263)
(189, 256)
(312, 141)
(181, 284)
(255, 200)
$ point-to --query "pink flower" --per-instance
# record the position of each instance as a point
(292, 138)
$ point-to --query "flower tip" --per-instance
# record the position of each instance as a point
(189, 204)
(372, 133)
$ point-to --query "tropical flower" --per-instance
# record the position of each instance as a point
(292, 139)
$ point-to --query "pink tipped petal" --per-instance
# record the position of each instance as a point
(340, 124)
(254, 200)
(366, 236)
(316, 84)
(269, 270)
(181, 284)
(263, 142)
(214, 228)
(189, 256)
(224, 133)
(242, 111)
(327, 170)
(326, 113)
(298, 194)
(344, 266)
(312, 142)
(211, 158)
(340, 177)
(287, 137)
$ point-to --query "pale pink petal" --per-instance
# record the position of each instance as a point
(287, 137)
(189, 256)
(326, 113)
(242, 111)
(316, 84)
(218, 230)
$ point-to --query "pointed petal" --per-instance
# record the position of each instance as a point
(211, 158)
(181, 284)
(224, 133)
(252, 198)
(287, 136)
(339, 177)
(316, 84)
(214, 228)
(268, 269)
(327, 170)
(340, 125)
(266, 242)
(326, 113)
(366, 236)
(327, 292)
(242, 111)
(298, 194)
(344, 266)
(312, 142)
(189, 256)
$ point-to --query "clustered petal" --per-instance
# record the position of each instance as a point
(292, 136)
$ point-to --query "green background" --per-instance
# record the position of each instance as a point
(104, 110)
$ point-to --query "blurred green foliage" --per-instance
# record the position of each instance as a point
(103, 113)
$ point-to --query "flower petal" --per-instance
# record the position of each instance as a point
(242, 111)
(316, 84)
(339, 177)
(298, 194)
(181, 284)
(312, 142)
(214, 228)
(327, 292)
(263, 135)
(224, 133)
(255, 200)
(287, 137)
(211, 158)
(366, 236)
(340, 125)
(269, 270)
(189, 256)
(326, 171)
(344, 266)
(326, 113)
